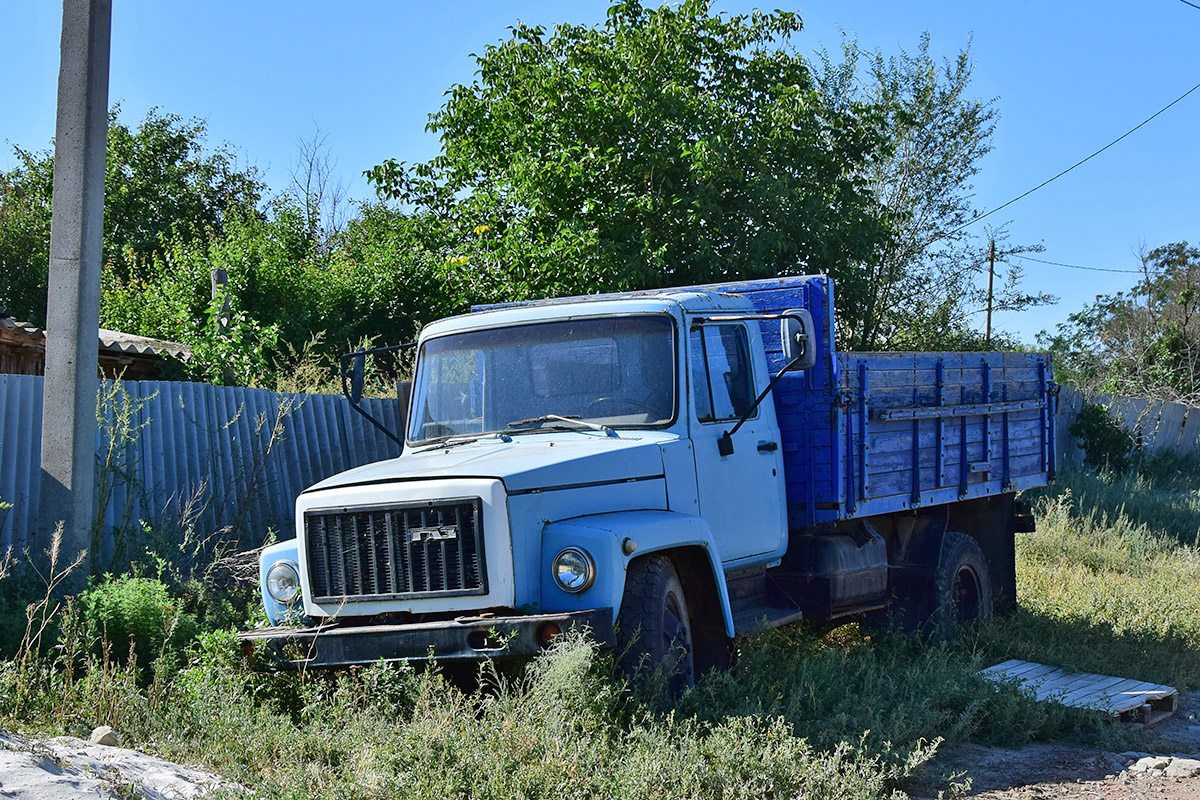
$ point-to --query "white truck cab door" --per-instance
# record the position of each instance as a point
(741, 494)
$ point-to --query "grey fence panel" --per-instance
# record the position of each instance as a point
(220, 458)
(20, 454)
(1070, 401)
(1170, 426)
(1191, 430)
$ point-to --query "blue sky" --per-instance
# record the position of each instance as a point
(1067, 77)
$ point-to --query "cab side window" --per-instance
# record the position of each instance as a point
(722, 381)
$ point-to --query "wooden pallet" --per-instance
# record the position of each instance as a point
(1126, 699)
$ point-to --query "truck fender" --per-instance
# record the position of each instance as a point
(280, 551)
(613, 540)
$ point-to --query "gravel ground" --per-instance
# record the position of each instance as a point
(1166, 766)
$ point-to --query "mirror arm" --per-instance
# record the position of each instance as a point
(761, 396)
(347, 368)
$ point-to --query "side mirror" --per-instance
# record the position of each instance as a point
(404, 399)
(799, 343)
(356, 376)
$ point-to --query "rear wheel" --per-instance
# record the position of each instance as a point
(654, 626)
(962, 590)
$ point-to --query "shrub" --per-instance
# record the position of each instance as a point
(1106, 445)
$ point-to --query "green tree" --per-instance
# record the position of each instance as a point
(162, 184)
(668, 146)
(1140, 343)
(926, 283)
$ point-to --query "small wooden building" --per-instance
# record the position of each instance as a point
(23, 352)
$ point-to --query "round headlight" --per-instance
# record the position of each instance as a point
(573, 570)
(283, 582)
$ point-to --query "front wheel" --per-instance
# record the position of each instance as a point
(962, 587)
(654, 629)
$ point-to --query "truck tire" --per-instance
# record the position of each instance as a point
(962, 586)
(654, 629)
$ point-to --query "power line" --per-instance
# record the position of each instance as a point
(1079, 163)
(1077, 266)
(1186, 3)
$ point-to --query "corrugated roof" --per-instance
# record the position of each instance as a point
(142, 345)
(110, 341)
(29, 329)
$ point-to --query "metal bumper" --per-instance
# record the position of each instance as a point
(472, 638)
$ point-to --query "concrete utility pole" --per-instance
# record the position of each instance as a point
(68, 482)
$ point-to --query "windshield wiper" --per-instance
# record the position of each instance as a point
(453, 441)
(573, 419)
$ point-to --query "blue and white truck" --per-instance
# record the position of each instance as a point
(668, 469)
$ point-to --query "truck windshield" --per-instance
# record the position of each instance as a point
(612, 371)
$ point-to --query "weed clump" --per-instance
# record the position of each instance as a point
(137, 617)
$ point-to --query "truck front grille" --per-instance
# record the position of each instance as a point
(432, 549)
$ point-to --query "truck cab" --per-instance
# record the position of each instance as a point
(615, 463)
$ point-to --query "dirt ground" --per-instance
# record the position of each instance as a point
(1042, 771)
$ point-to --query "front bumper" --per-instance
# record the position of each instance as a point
(471, 638)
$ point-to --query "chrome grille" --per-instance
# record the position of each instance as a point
(432, 549)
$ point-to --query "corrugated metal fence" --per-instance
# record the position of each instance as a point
(213, 457)
(1155, 425)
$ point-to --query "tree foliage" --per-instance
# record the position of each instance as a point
(1106, 444)
(669, 146)
(1140, 343)
(673, 146)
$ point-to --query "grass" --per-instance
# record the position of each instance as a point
(1108, 583)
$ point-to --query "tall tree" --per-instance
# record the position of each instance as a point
(668, 146)
(924, 286)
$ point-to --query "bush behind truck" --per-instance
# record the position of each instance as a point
(666, 468)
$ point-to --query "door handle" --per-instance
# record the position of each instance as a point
(768, 447)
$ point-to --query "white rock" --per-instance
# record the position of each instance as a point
(1150, 764)
(106, 736)
(1183, 768)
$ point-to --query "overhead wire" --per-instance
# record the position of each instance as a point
(1079, 163)
(1077, 266)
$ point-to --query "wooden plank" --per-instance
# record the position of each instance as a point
(1003, 666)
(1028, 669)
(1038, 686)
(1090, 699)
(1064, 683)
(1104, 685)
(1130, 698)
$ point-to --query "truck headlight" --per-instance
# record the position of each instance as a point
(573, 570)
(283, 582)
